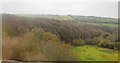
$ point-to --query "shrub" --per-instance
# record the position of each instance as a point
(37, 45)
(78, 42)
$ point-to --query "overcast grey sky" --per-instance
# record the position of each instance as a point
(63, 7)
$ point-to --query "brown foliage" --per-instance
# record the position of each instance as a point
(36, 45)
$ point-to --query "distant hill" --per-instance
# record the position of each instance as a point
(92, 19)
(57, 17)
(89, 19)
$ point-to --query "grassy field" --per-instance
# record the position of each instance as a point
(59, 17)
(111, 25)
(107, 25)
(94, 53)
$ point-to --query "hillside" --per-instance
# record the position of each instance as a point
(52, 39)
(90, 19)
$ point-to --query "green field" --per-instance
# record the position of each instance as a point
(59, 17)
(94, 53)
(107, 25)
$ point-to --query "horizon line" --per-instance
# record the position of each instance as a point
(61, 15)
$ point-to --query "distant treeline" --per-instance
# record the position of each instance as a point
(89, 19)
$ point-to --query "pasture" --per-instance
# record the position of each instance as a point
(94, 53)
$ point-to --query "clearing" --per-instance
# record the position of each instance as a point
(94, 53)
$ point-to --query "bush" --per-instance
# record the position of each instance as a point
(78, 42)
(115, 45)
(37, 45)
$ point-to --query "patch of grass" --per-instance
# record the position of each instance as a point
(111, 25)
(94, 53)
(107, 25)
(58, 17)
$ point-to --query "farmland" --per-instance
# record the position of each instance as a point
(94, 53)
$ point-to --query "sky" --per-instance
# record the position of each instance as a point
(100, 8)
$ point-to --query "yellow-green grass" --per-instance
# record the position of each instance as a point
(107, 25)
(62, 17)
(111, 25)
(94, 53)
